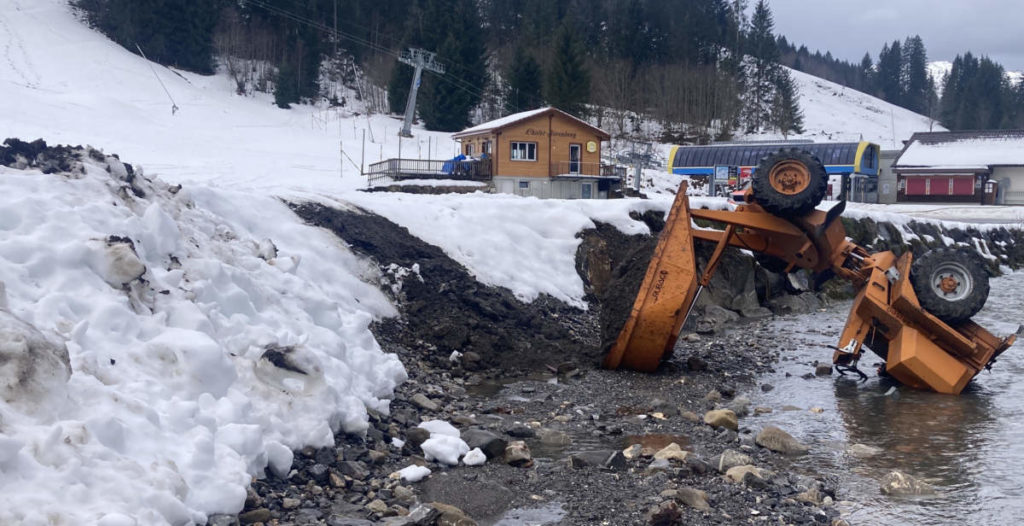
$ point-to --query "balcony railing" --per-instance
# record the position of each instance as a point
(588, 169)
(391, 170)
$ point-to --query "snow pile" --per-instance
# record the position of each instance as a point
(413, 473)
(527, 245)
(444, 444)
(161, 346)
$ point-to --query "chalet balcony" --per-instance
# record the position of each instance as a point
(394, 170)
(568, 169)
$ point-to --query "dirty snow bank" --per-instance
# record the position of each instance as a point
(526, 245)
(204, 329)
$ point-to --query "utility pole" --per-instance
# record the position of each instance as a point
(420, 59)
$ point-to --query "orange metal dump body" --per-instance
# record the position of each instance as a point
(668, 290)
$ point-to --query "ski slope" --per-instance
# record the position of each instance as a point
(69, 84)
(833, 112)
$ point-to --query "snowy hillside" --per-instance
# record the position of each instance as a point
(833, 112)
(68, 84)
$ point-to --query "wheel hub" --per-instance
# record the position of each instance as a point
(789, 177)
(948, 284)
(951, 281)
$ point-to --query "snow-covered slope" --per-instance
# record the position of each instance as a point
(66, 83)
(833, 112)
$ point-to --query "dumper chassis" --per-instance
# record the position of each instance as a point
(915, 316)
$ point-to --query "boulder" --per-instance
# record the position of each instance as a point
(451, 516)
(665, 514)
(730, 458)
(863, 451)
(672, 452)
(737, 473)
(779, 441)
(822, 369)
(721, 418)
(693, 498)
(517, 453)
(490, 443)
(421, 401)
(900, 484)
(416, 436)
(553, 437)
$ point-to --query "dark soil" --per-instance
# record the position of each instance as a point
(448, 310)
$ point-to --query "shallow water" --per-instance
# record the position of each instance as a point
(970, 447)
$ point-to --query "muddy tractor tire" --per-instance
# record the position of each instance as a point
(950, 283)
(789, 183)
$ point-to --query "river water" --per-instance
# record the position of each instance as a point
(970, 447)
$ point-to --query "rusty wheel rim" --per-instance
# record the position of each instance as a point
(789, 177)
(952, 281)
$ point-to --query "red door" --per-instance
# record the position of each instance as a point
(916, 185)
(963, 185)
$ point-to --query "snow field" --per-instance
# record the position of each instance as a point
(174, 400)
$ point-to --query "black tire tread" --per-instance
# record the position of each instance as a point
(951, 312)
(789, 206)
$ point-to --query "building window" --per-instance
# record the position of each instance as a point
(469, 149)
(487, 147)
(523, 151)
(525, 185)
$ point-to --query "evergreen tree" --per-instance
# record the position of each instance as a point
(567, 82)
(525, 84)
(176, 33)
(916, 88)
(447, 99)
(286, 87)
(867, 74)
(787, 117)
(762, 68)
(890, 70)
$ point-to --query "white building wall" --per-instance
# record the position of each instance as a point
(544, 188)
(1011, 182)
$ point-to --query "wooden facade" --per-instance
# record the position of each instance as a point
(556, 144)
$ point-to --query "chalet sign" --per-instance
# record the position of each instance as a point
(554, 133)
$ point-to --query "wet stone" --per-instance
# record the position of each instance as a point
(421, 401)
(416, 436)
(520, 430)
(253, 516)
(822, 369)
(779, 441)
(490, 443)
(897, 483)
(354, 469)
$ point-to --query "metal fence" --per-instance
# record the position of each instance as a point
(391, 170)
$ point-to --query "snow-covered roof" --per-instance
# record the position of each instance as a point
(980, 149)
(508, 120)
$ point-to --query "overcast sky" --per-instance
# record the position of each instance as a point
(849, 28)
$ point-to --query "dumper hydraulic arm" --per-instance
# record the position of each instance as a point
(920, 349)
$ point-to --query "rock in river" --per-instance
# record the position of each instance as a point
(900, 484)
(779, 441)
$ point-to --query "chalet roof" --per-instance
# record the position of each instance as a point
(974, 149)
(508, 120)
